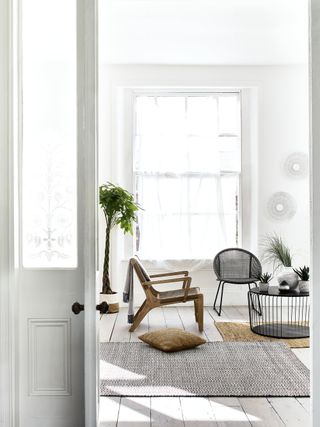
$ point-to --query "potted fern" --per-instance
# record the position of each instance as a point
(264, 280)
(303, 273)
(279, 255)
(119, 208)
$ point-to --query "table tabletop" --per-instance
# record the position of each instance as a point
(275, 292)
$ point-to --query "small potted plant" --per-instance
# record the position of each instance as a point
(264, 280)
(278, 253)
(119, 208)
(303, 273)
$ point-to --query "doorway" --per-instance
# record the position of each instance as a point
(160, 51)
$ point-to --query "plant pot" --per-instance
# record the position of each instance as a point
(112, 300)
(304, 285)
(290, 277)
(263, 287)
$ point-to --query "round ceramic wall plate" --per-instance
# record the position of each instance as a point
(296, 165)
(282, 206)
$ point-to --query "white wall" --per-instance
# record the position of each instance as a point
(278, 127)
(215, 32)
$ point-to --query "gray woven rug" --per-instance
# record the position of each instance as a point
(213, 369)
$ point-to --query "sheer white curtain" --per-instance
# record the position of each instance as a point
(187, 178)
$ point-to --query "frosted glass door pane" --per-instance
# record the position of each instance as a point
(49, 139)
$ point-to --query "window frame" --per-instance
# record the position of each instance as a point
(186, 92)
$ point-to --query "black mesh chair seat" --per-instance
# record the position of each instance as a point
(236, 266)
(240, 281)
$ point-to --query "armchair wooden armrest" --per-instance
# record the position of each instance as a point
(185, 279)
(174, 273)
(174, 280)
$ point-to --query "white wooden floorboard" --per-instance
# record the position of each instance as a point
(304, 355)
(305, 402)
(228, 412)
(121, 328)
(156, 319)
(141, 329)
(197, 412)
(134, 412)
(290, 411)
(260, 412)
(210, 330)
(189, 322)
(172, 318)
(215, 315)
(243, 310)
(106, 326)
(226, 401)
(109, 410)
(166, 411)
(232, 314)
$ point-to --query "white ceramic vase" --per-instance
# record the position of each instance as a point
(304, 285)
(112, 300)
(263, 287)
(290, 277)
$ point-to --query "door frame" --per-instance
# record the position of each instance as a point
(87, 155)
(87, 90)
(314, 104)
(9, 316)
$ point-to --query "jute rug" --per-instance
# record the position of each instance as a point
(213, 369)
(235, 332)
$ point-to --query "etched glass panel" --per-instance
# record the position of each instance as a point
(49, 120)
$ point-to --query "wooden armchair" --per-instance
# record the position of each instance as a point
(155, 298)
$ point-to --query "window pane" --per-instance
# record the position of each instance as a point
(230, 154)
(202, 115)
(172, 115)
(203, 154)
(229, 115)
(49, 222)
(187, 175)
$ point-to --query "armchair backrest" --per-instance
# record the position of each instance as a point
(236, 263)
(143, 277)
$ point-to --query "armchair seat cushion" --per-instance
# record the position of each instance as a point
(172, 339)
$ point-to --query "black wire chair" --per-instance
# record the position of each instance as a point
(235, 266)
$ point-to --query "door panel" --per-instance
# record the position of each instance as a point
(51, 349)
(57, 189)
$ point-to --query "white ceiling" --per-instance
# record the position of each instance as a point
(243, 32)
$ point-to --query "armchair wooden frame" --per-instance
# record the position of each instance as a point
(155, 298)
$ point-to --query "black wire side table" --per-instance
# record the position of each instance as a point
(280, 315)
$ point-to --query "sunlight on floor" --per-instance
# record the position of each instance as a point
(227, 413)
(114, 372)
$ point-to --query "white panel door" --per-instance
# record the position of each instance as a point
(55, 210)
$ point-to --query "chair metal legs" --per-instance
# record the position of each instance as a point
(221, 289)
(259, 311)
(221, 285)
